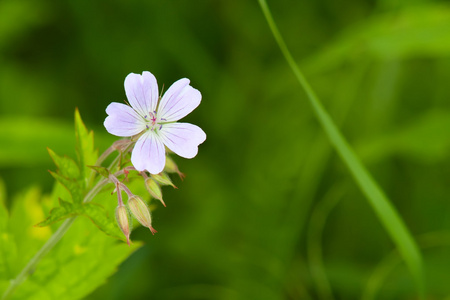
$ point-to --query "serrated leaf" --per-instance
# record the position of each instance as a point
(22, 240)
(101, 170)
(95, 212)
(68, 206)
(72, 185)
(64, 211)
(80, 262)
(100, 217)
(84, 146)
(67, 167)
(86, 265)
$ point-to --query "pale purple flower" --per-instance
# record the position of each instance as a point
(155, 120)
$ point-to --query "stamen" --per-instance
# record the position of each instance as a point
(160, 126)
(162, 119)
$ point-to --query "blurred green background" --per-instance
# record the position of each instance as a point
(267, 210)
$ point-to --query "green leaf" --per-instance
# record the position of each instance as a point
(72, 185)
(84, 146)
(100, 217)
(101, 170)
(64, 211)
(80, 262)
(77, 266)
(67, 167)
(95, 212)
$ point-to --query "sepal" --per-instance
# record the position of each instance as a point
(163, 179)
(123, 221)
(171, 167)
(154, 189)
(140, 211)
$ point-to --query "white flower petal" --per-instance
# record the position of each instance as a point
(149, 153)
(142, 92)
(182, 138)
(122, 120)
(179, 100)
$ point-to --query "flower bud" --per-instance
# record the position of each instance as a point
(140, 211)
(172, 167)
(154, 189)
(163, 179)
(123, 222)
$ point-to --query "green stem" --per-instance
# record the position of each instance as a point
(383, 208)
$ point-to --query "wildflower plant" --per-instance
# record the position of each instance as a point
(150, 123)
(85, 185)
(152, 120)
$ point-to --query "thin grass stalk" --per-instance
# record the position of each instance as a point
(383, 208)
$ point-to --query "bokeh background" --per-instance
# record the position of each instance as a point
(267, 210)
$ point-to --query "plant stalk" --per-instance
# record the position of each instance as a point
(383, 208)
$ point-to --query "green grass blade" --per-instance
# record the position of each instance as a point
(386, 213)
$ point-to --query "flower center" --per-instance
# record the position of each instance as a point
(153, 122)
